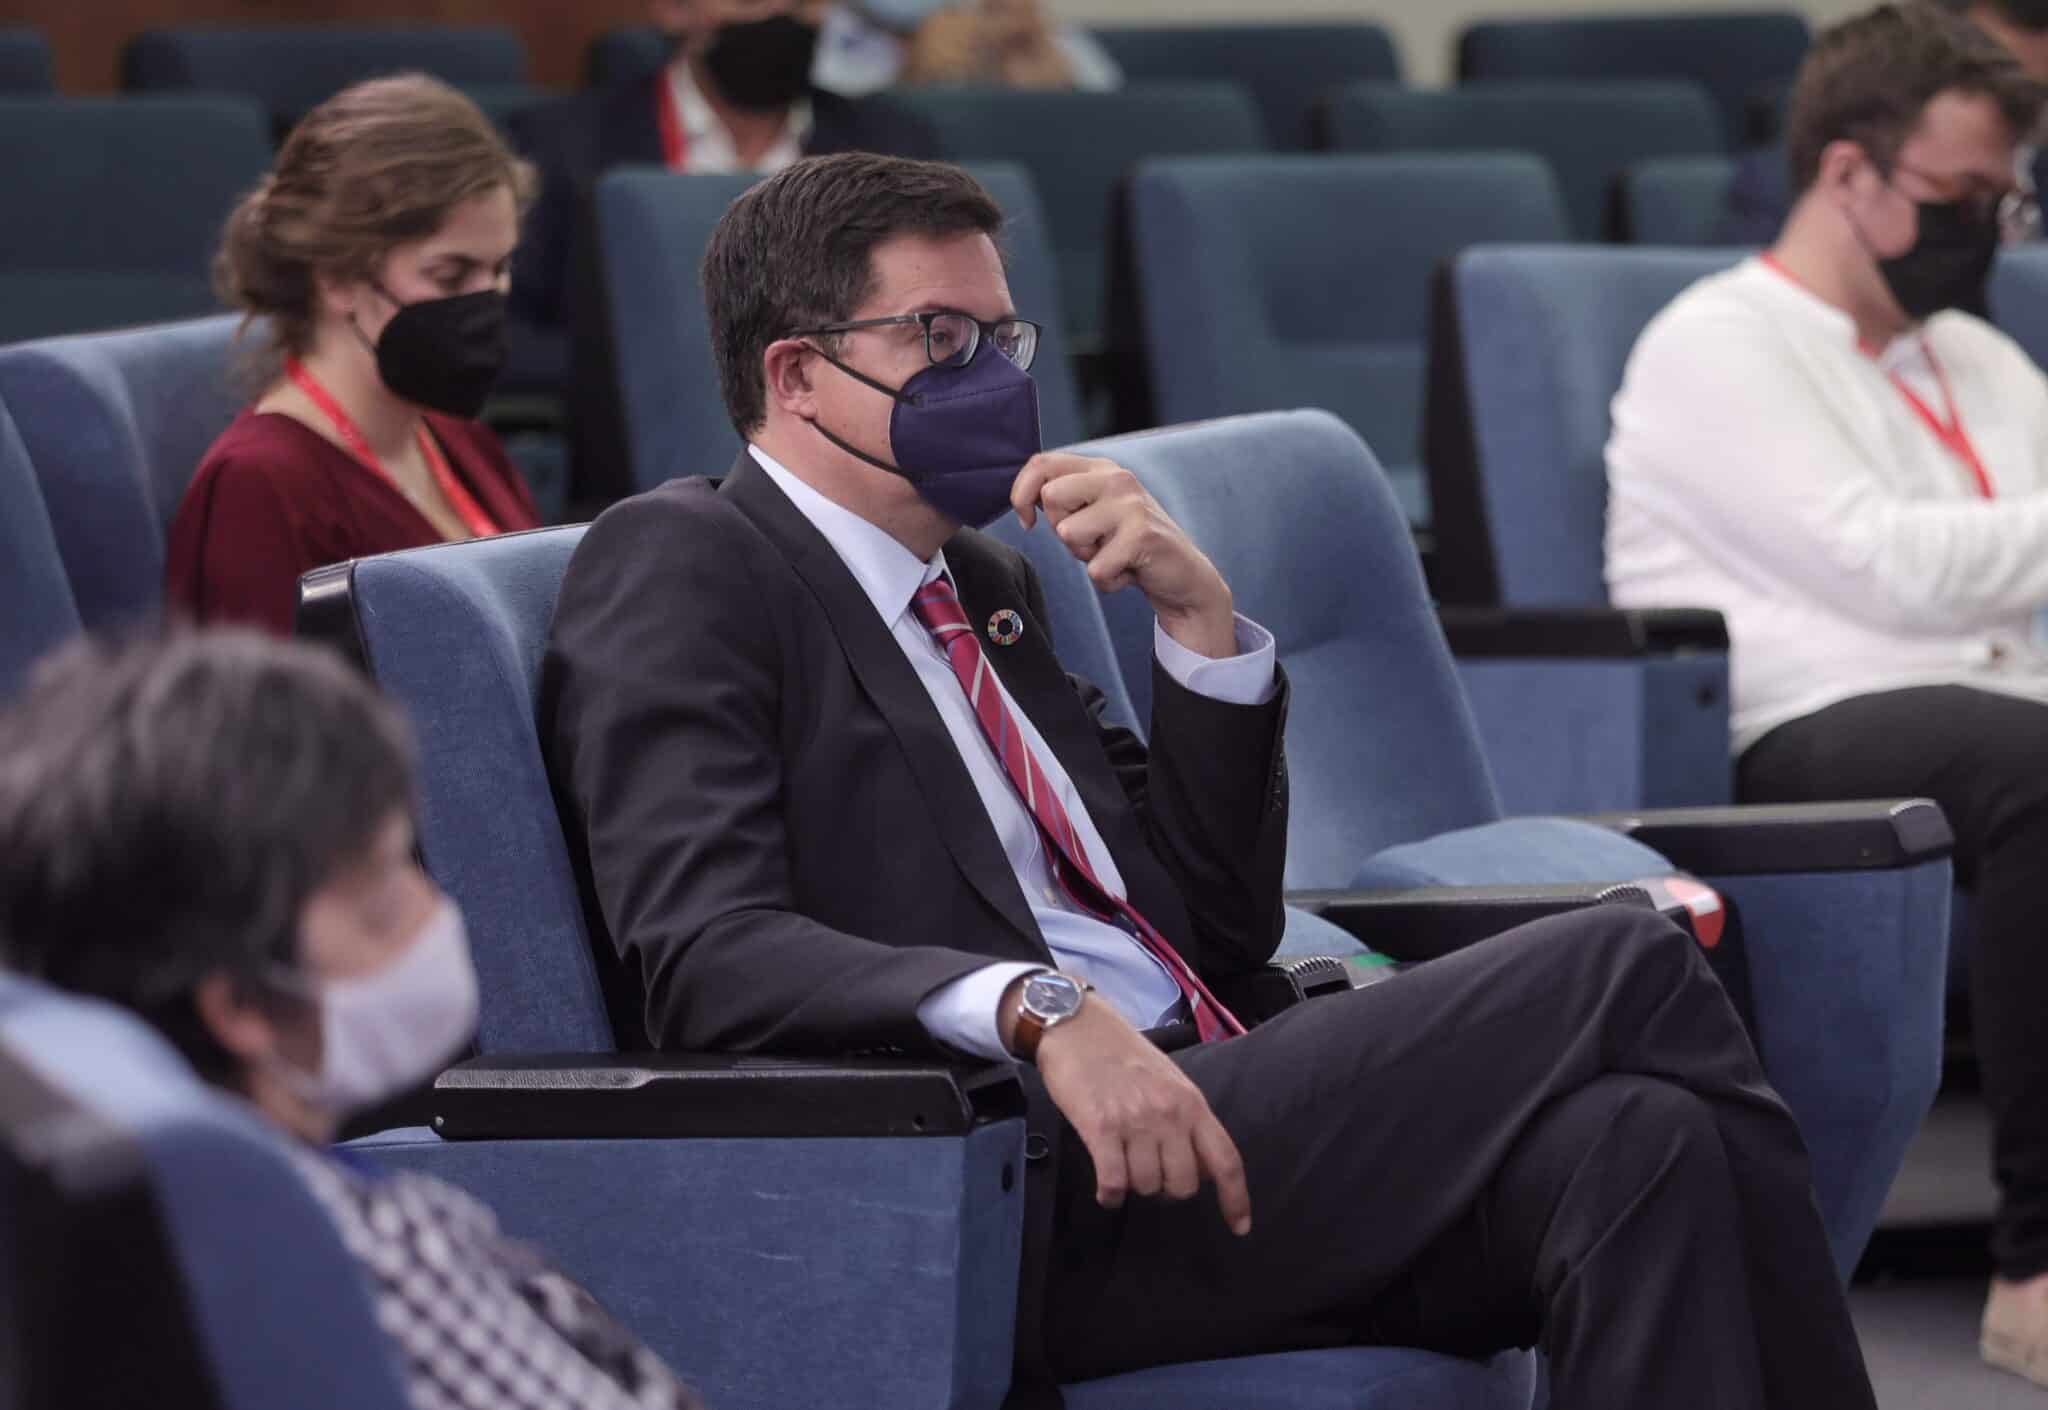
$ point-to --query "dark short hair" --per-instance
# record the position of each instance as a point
(795, 252)
(168, 805)
(1869, 79)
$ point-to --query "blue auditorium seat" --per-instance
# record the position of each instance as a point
(25, 64)
(292, 69)
(620, 54)
(114, 424)
(39, 611)
(115, 207)
(1285, 67)
(653, 227)
(1078, 149)
(1281, 281)
(281, 1311)
(1589, 133)
(1842, 910)
(904, 1299)
(1675, 200)
(1738, 57)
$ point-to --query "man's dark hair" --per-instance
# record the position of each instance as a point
(1869, 79)
(794, 252)
(169, 804)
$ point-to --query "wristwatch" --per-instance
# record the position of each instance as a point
(1050, 999)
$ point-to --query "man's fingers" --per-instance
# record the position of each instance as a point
(1115, 559)
(1226, 1167)
(1084, 530)
(1112, 1174)
(1180, 1168)
(1142, 1154)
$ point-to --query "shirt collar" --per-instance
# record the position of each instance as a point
(887, 572)
(701, 125)
(1799, 301)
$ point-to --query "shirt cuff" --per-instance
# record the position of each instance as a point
(1243, 679)
(962, 1012)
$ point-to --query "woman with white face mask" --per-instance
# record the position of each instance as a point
(215, 831)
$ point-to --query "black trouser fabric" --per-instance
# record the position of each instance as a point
(1984, 758)
(1560, 1137)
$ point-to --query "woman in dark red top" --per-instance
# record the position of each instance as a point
(379, 250)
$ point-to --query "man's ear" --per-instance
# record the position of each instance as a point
(237, 1023)
(786, 377)
(1841, 163)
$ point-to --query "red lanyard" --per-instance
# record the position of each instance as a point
(472, 515)
(675, 143)
(1954, 439)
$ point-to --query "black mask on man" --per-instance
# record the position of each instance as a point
(445, 354)
(1949, 266)
(762, 65)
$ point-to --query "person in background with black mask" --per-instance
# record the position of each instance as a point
(736, 96)
(1830, 446)
(377, 252)
(214, 830)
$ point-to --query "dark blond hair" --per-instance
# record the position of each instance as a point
(376, 166)
(1869, 79)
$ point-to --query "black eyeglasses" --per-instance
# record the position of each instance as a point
(951, 339)
(2017, 211)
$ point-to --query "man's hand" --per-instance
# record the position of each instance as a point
(1148, 1128)
(1107, 520)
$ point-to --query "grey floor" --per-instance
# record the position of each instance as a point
(1919, 1329)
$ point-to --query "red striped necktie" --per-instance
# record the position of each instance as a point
(938, 607)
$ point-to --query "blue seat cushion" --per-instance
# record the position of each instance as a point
(1513, 852)
(1349, 1378)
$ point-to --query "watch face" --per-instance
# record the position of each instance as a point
(1052, 996)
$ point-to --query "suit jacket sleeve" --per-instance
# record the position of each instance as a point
(1210, 793)
(662, 703)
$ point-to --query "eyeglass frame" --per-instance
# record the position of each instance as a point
(925, 320)
(2017, 213)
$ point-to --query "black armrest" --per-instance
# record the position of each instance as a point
(1792, 837)
(1587, 632)
(1272, 990)
(716, 1095)
(1428, 922)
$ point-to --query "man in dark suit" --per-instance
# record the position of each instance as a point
(833, 793)
(735, 97)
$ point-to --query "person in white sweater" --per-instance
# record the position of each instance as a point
(1832, 446)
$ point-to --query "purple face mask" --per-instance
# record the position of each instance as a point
(959, 435)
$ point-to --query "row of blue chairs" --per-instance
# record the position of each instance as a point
(897, 1255)
(289, 69)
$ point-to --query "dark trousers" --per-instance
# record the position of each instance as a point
(1560, 1137)
(1984, 758)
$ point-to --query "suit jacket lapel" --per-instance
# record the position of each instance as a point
(890, 682)
(1031, 671)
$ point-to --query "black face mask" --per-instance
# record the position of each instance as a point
(763, 64)
(445, 354)
(1949, 266)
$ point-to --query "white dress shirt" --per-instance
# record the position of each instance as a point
(963, 1013)
(1764, 465)
(707, 145)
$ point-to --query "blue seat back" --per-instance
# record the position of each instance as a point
(620, 54)
(1675, 200)
(39, 612)
(291, 69)
(114, 424)
(1589, 133)
(1078, 149)
(25, 65)
(114, 207)
(1285, 67)
(282, 1309)
(455, 633)
(1274, 282)
(1740, 58)
(2019, 298)
(1542, 337)
(653, 227)
(1300, 519)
